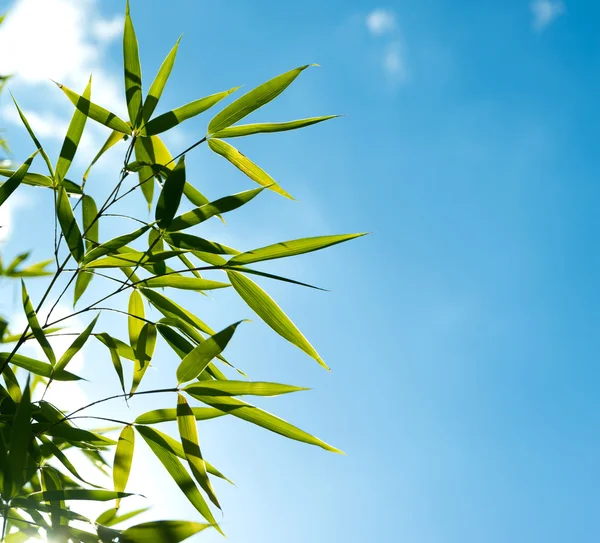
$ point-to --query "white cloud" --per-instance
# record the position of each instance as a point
(108, 29)
(546, 12)
(394, 63)
(7, 211)
(380, 22)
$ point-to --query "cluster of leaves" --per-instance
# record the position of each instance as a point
(39, 479)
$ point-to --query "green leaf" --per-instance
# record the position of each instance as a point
(20, 438)
(33, 137)
(158, 85)
(68, 224)
(74, 132)
(266, 308)
(186, 283)
(81, 284)
(144, 351)
(77, 494)
(165, 531)
(115, 137)
(186, 422)
(76, 346)
(168, 415)
(39, 180)
(110, 517)
(35, 325)
(113, 245)
(110, 342)
(133, 70)
(291, 248)
(177, 471)
(198, 359)
(39, 368)
(170, 196)
(207, 211)
(190, 242)
(96, 112)
(9, 186)
(132, 259)
(144, 152)
(172, 118)
(263, 128)
(250, 413)
(91, 226)
(239, 388)
(123, 460)
(135, 325)
(253, 100)
(245, 165)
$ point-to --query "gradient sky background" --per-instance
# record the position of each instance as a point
(462, 333)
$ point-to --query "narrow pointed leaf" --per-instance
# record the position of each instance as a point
(115, 137)
(91, 226)
(268, 310)
(143, 353)
(77, 494)
(170, 196)
(113, 245)
(172, 118)
(20, 437)
(110, 517)
(239, 388)
(263, 128)
(123, 460)
(205, 212)
(158, 85)
(68, 224)
(290, 248)
(253, 100)
(76, 346)
(133, 71)
(167, 531)
(96, 112)
(35, 325)
(72, 139)
(195, 243)
(10, 185)
(135, 325)
(185, 283)
(81, 284)
(38, 368)
(110, 342)
(245, 165)
(168, 415)
(131, 259)
(177, 472)
(198, 359)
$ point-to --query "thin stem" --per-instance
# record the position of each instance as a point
(117, 421)
(5, 523)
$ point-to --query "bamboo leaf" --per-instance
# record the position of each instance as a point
(111, 344)
(135, 325)
(20, 437)
(144, 351)
(91, 226)
(158, 85)
(123, 460)
(266, 308)
(168, 415)
(133, 70)
(186, 422)
(250, 413)
(35, 325)
(39, 368)
(253, 100)
(239, 388)
(185, 283)
(115, 137)
(110, 517)
(113, 245)
(96, 112)
(76, 346)
(245, 165)
(9, 186)
(68, 224)
(205, 212)
(166, 531)
(290, 248)
(77, 494)
(170, 196)
(198, 359)
(189, 242)
(72, 139)
(177, 472)
(172, 118)
(263, 128)
(131, 259)
(39, 180)
(81, 284)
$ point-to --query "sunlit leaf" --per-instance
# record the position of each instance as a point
(10, 185)
(263, 128)
(239, 388)
(167, 415)
(143, 353)
(76, 346)
(133, 70)
(68, 224)
(115, 137)
(136, 317)
(91, 226)
(194, 243)
(39, 368)
(35, 325)
(113, 245)
(186, 283)
(81, 284)
(110, 342)
(110, 517)
(78, 494)
(123, 460)
(166, 531)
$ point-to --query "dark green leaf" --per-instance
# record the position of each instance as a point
(35, 325)
(114, 355)
(9, 186)
(133, 70)
(68, 224)
(113, 245)
(165, 531)
(76, 346)
(20, 437)
(170, 196)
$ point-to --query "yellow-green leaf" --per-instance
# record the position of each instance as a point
(91, 226)
(35, 325)
(113, 245)
(268, 310)
(263, 128)
(113, 348)
(123, 460)
(81, 284)
(76, 346)
(253, 100)
(172, 118)
(143, 353)
(185, 283)
(77, 494)
(68, 224)
(38, 367)
(115, 137)
(290, 248)
(133, 70)
(10, 185)
(186, 422)
(239, 388)
(167, 415)
(166, 531)
(136, 317)
(190, 242)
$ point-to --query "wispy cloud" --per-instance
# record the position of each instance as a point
(545, 12)
(394, 63)
(380, 22)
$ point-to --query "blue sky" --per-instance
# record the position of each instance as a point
(462, 333)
